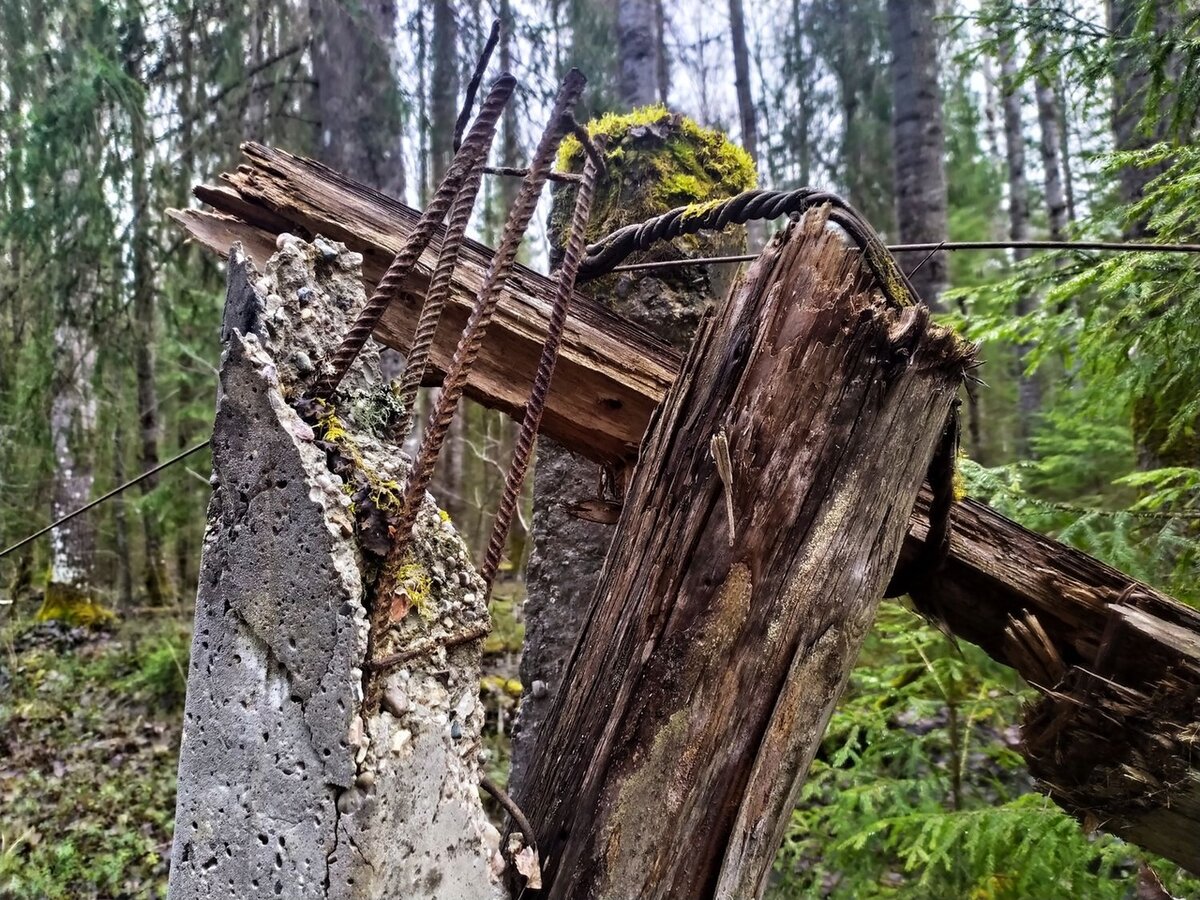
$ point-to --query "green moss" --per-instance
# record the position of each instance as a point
(69, 604)
(414, 581)
(508, 631)
(657, 160)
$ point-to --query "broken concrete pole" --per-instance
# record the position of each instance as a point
(285, 788)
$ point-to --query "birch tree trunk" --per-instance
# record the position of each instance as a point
(638, 52)
(72, 426)
(1051, 140)
(918, 140)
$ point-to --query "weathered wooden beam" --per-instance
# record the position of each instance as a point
(1113, 739)
(615, 375)
(732, 607)
(609, 377)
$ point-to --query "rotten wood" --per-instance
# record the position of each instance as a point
(1113, 738)
(734, 599)
(1000, 578)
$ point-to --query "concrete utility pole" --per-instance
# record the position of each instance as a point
(286, 788)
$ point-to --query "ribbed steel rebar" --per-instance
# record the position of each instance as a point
(472, 153)
(485, 305)
(564, 288)
(435, 302)
(468, 347)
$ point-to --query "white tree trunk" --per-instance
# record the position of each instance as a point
(72, 422)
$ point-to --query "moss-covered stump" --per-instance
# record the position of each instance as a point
(657, 161)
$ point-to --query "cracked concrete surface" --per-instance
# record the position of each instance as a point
(284, 789)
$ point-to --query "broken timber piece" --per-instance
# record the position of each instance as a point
(285, 787)
(715, 650)
(656, 161)
(1114, 737)
(611, 377)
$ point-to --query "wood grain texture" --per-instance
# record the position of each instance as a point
(709, 665)
(1113, 738)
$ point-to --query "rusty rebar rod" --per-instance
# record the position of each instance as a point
(564, 288)
(471, 154)
(435, 301)
(464, 358)
(485, 305)
(481, 64)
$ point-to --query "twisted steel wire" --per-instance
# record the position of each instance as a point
(473, 151)
(748, 206)
(435, 302)
(470, 342)
(523, 450)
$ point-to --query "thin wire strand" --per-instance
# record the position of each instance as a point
(1106, 246)
(101, 499)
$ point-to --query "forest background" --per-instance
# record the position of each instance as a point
(1059, 119)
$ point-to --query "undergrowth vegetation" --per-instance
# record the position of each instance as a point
(919, 791)
(89, 736)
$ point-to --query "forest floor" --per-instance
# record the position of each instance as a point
(89, 738)
(90, 723)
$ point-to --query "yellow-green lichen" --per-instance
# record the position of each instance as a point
(498, 684)
(414, 582)
(385, 493)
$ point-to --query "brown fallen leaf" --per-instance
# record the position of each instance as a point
(530, 866)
